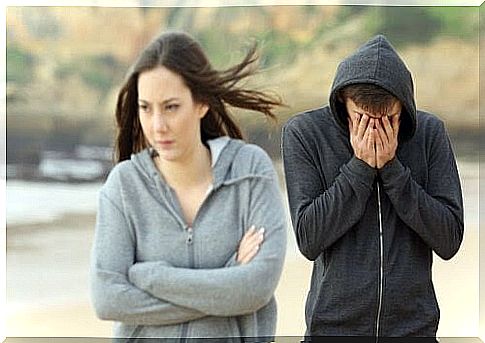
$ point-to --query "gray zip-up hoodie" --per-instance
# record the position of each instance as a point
(372, 232)
(156, 277)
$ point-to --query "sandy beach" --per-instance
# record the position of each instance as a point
(47, 269)
(47, 282)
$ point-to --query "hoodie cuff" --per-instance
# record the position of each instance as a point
(391, 172)
(361, 170)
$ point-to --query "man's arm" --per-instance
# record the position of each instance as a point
(113, 296)
(234, 290)
(320, 213)
(434, 213)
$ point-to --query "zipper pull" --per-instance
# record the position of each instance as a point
(190, 235)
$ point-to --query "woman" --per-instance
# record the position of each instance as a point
(190, 233)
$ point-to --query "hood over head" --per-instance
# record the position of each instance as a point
(376, 62)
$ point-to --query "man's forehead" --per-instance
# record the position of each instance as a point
(389, 115)
(393, 110)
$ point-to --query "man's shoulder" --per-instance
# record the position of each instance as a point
(428, 123)
(428, 118)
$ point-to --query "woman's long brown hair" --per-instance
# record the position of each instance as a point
(182, 54)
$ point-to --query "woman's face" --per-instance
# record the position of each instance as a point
(169, 117)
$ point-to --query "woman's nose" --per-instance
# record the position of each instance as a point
(160, 123)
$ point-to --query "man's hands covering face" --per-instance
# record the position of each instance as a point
(374, 140)
(386, 141)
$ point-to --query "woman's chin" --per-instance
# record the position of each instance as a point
(168, 155)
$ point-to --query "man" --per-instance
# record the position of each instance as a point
(373, 190)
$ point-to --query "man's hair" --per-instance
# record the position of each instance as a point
(370, 97)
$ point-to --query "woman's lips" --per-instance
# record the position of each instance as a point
(165, 143)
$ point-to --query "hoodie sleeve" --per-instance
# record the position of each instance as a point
(434, 213)
(320, 213)
(235, 290)
(113, 296)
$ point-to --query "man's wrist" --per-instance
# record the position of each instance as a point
(387, 163)
(364, 161)
(390, 170)
(361, 169)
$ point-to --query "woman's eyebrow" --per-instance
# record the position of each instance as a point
(169, 100)
(163, 102)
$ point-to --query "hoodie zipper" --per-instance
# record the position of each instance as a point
(190, 241)
(176, 212)
(381, 261)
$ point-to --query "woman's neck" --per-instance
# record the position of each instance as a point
(195, 169)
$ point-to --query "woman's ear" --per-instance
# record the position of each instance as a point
(203, 109)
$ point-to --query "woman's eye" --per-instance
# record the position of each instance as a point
(172, 107)
(142, 107)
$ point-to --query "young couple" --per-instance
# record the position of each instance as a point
(191, 229)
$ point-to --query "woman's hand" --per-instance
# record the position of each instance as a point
(249, 245)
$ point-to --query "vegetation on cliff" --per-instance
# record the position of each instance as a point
(66, 64)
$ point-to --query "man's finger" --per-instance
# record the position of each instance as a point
(365, 137)
(369, 135)
(395, 121)
(379, 141)
(363, 124)
(382, 135)
(388, 130)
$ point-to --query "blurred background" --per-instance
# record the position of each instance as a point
(65, 66)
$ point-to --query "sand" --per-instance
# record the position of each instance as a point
(47, 294)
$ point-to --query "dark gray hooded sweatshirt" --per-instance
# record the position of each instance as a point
(372, 232)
